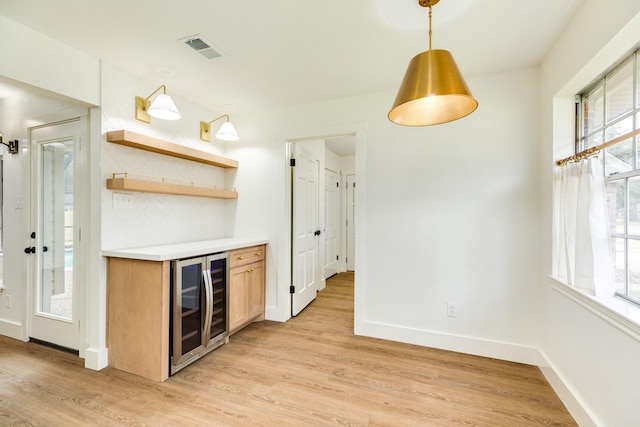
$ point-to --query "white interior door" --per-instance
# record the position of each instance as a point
(330, 229)
(305, 228)
(54, 240)
(351, 223)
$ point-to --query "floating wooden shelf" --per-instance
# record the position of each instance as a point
(142, 142)
(131, 184)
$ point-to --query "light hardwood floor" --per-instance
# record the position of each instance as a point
(310, 371)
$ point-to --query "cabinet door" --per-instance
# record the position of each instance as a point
(238, 309)
(256, 290)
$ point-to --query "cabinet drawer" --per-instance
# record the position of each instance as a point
(246, 256)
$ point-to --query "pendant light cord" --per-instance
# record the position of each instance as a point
(430, 26)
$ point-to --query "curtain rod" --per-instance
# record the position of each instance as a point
(585, 154)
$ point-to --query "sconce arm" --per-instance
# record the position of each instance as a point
(218, 118)
(164, 90)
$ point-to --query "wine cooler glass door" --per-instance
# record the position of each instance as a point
(188, 311)
(217, 326)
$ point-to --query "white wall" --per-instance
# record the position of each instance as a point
(31, 58)
(592, 364)
(450, 214)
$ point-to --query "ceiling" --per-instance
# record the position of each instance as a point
(289, 52)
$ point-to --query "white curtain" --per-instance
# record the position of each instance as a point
(582, 255)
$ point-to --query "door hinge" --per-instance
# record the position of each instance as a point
(292, 162)
(337, 257)
(292, 289)
(354, 185)
(337, 184)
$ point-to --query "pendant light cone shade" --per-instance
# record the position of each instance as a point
(227, 132)
(433, 92)
(164, 108)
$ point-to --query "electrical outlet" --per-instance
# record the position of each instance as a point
(452, 309)
(7, 301)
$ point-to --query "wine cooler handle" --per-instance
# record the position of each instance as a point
(208, 292)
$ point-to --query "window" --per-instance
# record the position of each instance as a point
(610, 109)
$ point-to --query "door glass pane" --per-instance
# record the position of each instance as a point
(56, 228)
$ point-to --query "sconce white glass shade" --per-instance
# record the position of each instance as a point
(433, 91)
(227, 132)
(163, 108)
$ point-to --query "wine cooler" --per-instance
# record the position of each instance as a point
(199, 308)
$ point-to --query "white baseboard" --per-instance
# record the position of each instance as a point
(11, 329)
(272, 313)
(462, 344)
(577, 410)
(96, 359)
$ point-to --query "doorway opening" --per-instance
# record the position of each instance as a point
(321, 220)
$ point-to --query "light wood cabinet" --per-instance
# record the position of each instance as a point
(246, 287)
(139, 306)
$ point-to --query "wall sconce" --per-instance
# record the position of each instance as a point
(162, 107)
(13, 145)
(433, 90)
(227, 131)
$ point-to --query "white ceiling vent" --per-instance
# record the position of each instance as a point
(203, 47)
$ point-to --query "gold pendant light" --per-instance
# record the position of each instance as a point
(433, 90)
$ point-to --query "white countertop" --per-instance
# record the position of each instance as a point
(183, 250)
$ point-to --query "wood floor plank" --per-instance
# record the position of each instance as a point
(311, 370)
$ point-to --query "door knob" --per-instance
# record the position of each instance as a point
(31, 250)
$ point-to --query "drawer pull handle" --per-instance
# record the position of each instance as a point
(240, 257)
(258, 254)
(249, 270)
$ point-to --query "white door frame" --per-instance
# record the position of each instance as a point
(81, 191)
(350, 251)
(282, 311)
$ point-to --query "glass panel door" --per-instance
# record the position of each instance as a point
(55, 235)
